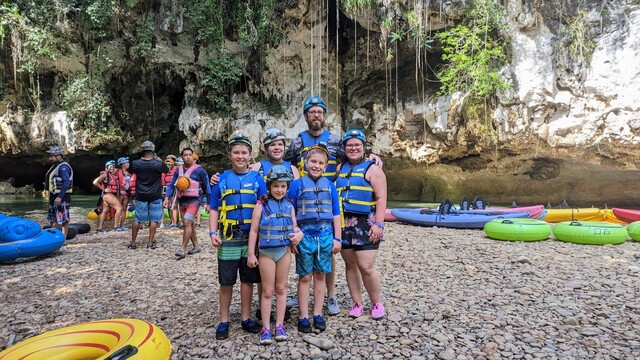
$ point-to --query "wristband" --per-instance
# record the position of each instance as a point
(379, 224)
(344, 242)
(213, 233)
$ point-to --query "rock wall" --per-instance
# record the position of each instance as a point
(561, 110)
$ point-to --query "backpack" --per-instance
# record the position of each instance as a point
(465, 204)
(479, 203)
(446, 207)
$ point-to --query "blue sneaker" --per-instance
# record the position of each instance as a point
(281, 333)
(250, 326)
(222, 332)
(265, 337)
(120, 229)
(304, 326)
(318, 323)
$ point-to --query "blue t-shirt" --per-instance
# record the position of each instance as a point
(258, 186)
(200, 175)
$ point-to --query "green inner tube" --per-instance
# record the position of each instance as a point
(517, 229)
(590, 232)
(634, 230)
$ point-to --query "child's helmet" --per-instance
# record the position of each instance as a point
(279, 173)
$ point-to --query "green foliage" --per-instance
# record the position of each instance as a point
(576, 38)
(85, 102)
(100, 13)
(354, 6)
(142, 52)
(223, 72)
(410, 28)
(207, 21)
(474, 52)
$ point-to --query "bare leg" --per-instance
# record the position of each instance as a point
(246, 294)
(282, 276)
(152, 232)
(353, 275)
(134, 232)
(331, 278)
(318, 292)
(304, 283)
(268, 276)
(225, 295)
(370, 276)
(186, 233)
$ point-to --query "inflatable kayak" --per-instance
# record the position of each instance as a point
(468, 220)
(610, 217)
(14, 228)
(47, 241)
(535, 211)
(634, 230)
(582, 214)
(590, 232)
(628, 215)
(517, 229)
(103, 339)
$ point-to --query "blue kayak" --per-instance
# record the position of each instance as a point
(14, 228)
(47, 241)
(466, 220)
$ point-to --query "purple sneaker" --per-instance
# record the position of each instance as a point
(356, 310)
(377, 311)
(281, 333)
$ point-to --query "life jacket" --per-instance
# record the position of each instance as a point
(126, 180)
(355, 192)
(276, 224)
(314, 200)
(307, 142)
(132, 185)
(54, 181)
(166, 179)
(237, 201)
(111, 182)
(267, 165)
(194, 188)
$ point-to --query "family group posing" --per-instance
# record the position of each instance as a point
(319, 197)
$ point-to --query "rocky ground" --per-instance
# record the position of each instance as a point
(449, 294)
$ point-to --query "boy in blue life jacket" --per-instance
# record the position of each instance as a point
(231, 208)
(317, 206)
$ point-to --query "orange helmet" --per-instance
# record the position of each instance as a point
(196, 157)
(183, 183)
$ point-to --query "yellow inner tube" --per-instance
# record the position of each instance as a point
(128, 338)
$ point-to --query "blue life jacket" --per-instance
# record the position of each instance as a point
(314, 200)
(276, 224)
(238, 200)
(307, 142)
(267, 165)
(355, 192)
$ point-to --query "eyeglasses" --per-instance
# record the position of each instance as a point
(354, 146)
(314, 112)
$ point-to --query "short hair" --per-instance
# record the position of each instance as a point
(318, 150)
(186, 149)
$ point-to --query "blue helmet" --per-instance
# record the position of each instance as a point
(313, 101)
(279, 173)
(109, 163)
(354, 134)
(123, 160)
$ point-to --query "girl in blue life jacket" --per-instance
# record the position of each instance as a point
(274, 228)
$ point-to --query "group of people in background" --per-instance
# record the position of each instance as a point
(318, 197)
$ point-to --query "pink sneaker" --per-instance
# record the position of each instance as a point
(356, 310)
(377, 311)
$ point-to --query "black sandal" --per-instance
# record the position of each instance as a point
(132, 247)
(152, 246)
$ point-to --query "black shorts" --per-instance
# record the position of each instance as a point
(228, 272)
(356, 232)
(375, 246)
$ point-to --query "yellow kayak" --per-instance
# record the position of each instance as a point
(582, 214)
(95, 340)
(610, 217)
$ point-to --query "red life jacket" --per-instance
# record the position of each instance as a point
(132, 185)
(111, 182)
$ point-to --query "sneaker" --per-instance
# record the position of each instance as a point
(172, 226)
(265, 337)
(377, 311)
(318, 323)
(102, 230)
(120, 229)
(281, 333)
(162, 226)
(250, 326)
(293, 302)
(194, 250)
(356, 310)
(180, 253)
(304, 326)
(332, 306)
(222, 332)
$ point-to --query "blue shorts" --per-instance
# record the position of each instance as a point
(314, 254)
(149, 211)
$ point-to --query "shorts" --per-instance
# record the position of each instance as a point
(58, 214)
(356, 232)
(274, 253)
(149, 211)
(228, 272)
(189, 211)
(314, 254)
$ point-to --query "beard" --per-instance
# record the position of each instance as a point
(315, 125)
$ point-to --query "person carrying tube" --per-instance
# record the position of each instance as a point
(190, 181)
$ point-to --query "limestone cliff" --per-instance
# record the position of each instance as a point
(570, 119)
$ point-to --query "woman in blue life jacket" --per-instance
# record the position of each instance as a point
(363, 192)
(274, 229)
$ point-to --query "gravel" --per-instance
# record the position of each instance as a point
(449, 294)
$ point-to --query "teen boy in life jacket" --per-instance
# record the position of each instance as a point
(59, 182)
(318, 215)
(314, 111)
(232, 202)
(190, 180)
